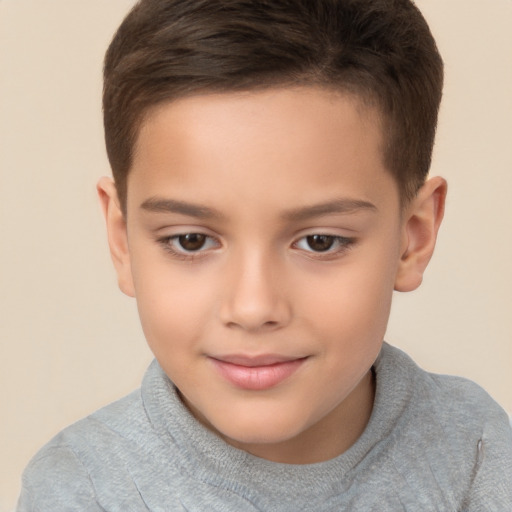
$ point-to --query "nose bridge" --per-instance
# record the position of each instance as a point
(255, 297)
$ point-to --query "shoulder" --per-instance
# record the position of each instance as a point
(480, 430)
(61, 473)
(467, 414)
(448, 425)
(99, 431)
(463, 398)
(454, 399)
(112, 458)
(55, 463)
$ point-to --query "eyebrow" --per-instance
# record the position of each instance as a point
(164, 205)
(336, 206)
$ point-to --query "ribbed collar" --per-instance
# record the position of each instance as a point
(208, 458)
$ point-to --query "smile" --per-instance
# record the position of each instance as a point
(256, 374)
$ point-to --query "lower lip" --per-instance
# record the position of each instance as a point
(257, 378)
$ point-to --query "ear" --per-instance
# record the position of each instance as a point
(420, 226)
(117, 234)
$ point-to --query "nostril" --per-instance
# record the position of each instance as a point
(271, 324)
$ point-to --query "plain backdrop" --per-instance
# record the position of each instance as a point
(71, 342)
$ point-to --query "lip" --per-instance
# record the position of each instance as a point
(256, 373)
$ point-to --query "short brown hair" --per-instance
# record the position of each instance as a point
(382, 50)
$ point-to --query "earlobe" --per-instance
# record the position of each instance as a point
(420, 228)
(117, 234)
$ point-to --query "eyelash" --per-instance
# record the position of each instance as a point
(342, 244)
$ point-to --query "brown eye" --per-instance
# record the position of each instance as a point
(320, 243)
(192, 241)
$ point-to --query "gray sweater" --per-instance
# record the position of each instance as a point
(433, 443)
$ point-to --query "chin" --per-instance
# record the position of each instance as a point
(258, 432)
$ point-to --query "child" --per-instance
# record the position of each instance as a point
(270, 163)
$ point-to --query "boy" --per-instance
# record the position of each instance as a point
(270, 193)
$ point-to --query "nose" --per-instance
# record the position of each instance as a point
(255, 298)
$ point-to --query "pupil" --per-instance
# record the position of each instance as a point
(192, 241)
(320, 243)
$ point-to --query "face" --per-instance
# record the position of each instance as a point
(264, 236)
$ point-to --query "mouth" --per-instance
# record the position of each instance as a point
(256, 373)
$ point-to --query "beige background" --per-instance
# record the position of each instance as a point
(70, 342)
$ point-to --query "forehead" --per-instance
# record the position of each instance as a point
(278, 106)
(277, 142)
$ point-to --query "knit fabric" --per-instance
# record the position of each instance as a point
(433, 443)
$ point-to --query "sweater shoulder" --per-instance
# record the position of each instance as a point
(444, 410)
(446, 396)
(67, 451)
(81, 455)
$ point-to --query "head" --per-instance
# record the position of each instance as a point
(269, 162)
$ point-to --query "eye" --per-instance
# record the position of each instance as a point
(319, 243)
(189, 243)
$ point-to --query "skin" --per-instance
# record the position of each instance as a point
(257, 174)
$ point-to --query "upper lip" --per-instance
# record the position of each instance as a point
(257, 360)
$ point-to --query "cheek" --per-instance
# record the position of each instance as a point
(354, 301)
(173, 302)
